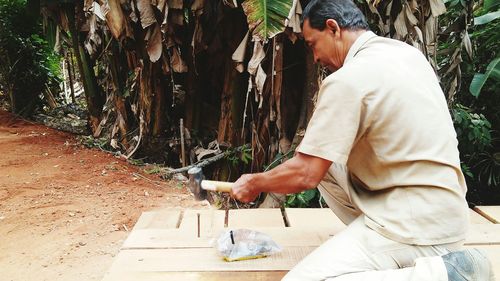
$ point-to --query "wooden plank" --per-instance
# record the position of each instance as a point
(250, 218)
(169, 218)
(196, 276)
(163, 239)
(314, 218)
(305, 233)
(483, 234)
(156, 250)
(157, 264)
(479, 234)
(476, 218)
(492, 213)
(202, 223)
(163, 219)
(202, 259)
(175, 238)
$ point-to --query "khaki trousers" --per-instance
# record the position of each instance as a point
(360, 253)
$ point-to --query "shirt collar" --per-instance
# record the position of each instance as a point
(356, 46)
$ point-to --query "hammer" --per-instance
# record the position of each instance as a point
(199, 186)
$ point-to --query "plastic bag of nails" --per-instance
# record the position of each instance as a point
(245, 244)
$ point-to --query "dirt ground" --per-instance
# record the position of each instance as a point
(65, 209)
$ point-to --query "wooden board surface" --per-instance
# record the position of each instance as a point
(250, 218)
(172, 238)
(483, 234)
(476, 218)
(314, 218)
(202, 259)
(177, 245)
(187, 264)
(479, 234)
(196, 276)
(202, 223)
(492, 213)
(168, 218)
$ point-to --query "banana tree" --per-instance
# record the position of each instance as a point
(235, 71)
(492, 71)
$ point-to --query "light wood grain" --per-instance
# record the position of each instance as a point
(174, 238)
(483, 234)
(202, 259)
(163, 219)
(164, 245)
(249, 218)
(210, 222)
(476, 218)
(492, 213)
(196, 276)
(314, 218)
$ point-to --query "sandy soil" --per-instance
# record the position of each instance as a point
(65, 209)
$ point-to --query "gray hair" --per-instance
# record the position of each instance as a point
(345, 12)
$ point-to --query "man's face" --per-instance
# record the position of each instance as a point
(326, 44)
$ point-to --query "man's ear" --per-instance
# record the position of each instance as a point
(332, 25)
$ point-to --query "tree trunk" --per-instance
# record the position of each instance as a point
(193, 98)
(145, 95)
(118, 77)
(49, 97)
(276, 77)
(231, 111)
(161, 90)
(94, 98)
(70, 76)
(310, 90)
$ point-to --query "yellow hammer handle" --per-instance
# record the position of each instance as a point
(222, 186)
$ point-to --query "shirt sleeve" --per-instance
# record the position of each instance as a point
(335, 123)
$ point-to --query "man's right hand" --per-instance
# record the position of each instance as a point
(243, 190)
(295, 175)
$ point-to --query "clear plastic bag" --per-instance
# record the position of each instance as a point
(244, 244)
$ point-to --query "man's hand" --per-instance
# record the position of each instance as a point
(295, 175)
(243, 190)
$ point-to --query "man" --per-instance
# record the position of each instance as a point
(382, 150)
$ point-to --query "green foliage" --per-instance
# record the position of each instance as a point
(91, 142)
(488, 167)
(486, 33)
(156, 169)
(26, 63)
(493, 71)
(466, 170)
(486, 18)
(136, 162)
(304, 199)
(474, 136)
(279, 158)
(476, 107)
(266, 18)
(491, 5)
(473, 129)
(240, 155)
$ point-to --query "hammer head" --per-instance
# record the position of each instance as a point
(195, 178)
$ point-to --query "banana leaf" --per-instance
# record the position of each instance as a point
(266, 18)
(493, 70)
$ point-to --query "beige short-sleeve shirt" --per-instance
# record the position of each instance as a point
(384, 115)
